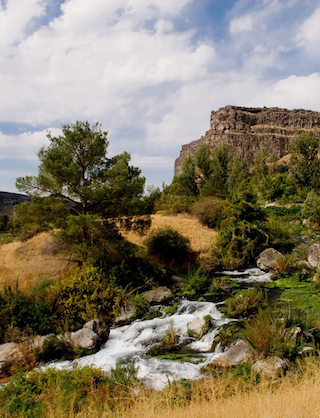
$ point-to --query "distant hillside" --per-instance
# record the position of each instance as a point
(8, 200)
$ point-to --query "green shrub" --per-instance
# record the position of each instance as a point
(245, 303)
(267, 333)
(211, 211)
(172, 204)
(195, 281)
(311, 207)
(280, 235)
(169, 246)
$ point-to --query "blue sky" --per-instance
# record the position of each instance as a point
(150, 71)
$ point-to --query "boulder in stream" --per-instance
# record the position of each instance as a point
(238, 353)
(268, 259)
(196, 328)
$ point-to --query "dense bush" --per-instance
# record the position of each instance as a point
(211, 211)
(169, 246)
(244, 303)
(311, 207)
(280, 235)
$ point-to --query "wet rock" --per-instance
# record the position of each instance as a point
(94, 325)
(127, 312)
(158, 294)
(314, 255)
(268, 259)
(238, 353)
(196, 328)
(271, 367)
(85, 338)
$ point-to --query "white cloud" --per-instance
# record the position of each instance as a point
(309, 33)
(26, 145)
(240, 24)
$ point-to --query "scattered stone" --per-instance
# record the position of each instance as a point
(304, 265)
(158, 294)
(196, 328)
(7, 350)
(310, 224)
(238, 353)
(314, 255)
(268, 259)
(294, 333)
(271, 367)
(307, 350)
(85, 338)
(127, 311)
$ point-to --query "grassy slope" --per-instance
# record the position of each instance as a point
(201, 237)
(31, 261)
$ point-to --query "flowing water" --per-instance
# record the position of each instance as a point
(132, 342)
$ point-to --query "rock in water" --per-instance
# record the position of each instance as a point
(268, 259)
(196, 328)
(85, 338)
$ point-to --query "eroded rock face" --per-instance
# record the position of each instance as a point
(247, 130)
(314, 254)
(268, 259)
(238, 353)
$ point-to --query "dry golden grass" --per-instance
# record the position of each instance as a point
(292, 397)
(201, 237)
(31, 261)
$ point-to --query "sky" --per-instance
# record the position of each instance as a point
(150, 71)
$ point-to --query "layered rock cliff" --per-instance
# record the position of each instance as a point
(246, 130)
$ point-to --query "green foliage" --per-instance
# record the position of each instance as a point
(5, 223)
(85, 294)
(216, 183)
(195, 282)
(286, 214)
(244, 303)
(41, 214)
(267, 333)
(30, 394)
(280, 235)
(304, 163)
(239, 176)
(311, 207)
(172, 204)
(169, 246)
(211, 211)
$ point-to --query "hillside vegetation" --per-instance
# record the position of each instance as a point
(28, 263)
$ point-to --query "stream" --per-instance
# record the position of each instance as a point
(132, 342)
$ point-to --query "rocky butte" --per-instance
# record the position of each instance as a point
(246, 130)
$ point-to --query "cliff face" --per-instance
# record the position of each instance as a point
(8, 200)
(246, 130)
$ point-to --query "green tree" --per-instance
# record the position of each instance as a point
(304, 163)
(75, 168)
(311, 207)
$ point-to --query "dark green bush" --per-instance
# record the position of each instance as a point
(211, 211)
(244, 303)
(169, 246)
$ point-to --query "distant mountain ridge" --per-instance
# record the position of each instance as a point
(9, 200)
(246, 130)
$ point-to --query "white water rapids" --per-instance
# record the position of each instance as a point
(131, 342)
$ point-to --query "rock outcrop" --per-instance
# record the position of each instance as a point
(268, 259)
(246, 130)
(8, 200)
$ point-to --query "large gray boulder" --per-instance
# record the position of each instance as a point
(271, 367)
(314, 254)
(196, 328)
(268, 259)
(238, 353)
(85, 338)
(158, 294)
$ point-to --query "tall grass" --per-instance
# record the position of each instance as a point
(90, 394)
